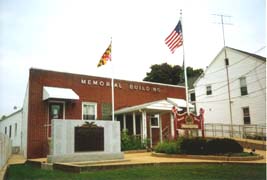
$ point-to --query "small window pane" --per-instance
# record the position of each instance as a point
(208, 90)
(192, 97)
(155, 121)
(89, 111)
(246, 115)
(243, 86)
(10, 131)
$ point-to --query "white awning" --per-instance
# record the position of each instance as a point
(179, 102)
(164, 105)
(59, 93)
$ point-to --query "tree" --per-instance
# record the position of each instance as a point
(167, 74)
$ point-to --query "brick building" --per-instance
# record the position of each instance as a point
(141, 107)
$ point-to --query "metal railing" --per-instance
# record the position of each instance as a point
(252, 131)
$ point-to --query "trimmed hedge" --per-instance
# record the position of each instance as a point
(193, 146)
(223, 146)
(199, 146)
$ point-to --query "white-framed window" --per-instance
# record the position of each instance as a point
(10, 131)
(246, 115)
(209, 90)
(154, 119)
(89, 111)
(243, 86)
(16, 129)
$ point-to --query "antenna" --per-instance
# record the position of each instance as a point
(222, 18)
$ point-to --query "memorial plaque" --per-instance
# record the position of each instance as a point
(89, 139)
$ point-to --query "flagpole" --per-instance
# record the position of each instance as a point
(112, 85)
(185, 71)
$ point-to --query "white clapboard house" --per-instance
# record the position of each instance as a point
(11, 127)
(247, 87)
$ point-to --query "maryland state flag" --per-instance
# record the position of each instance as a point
(105, 57)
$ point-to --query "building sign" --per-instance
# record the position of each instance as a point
(188, 121)
(131, 86)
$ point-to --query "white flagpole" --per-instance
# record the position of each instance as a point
(185, 72)
(112, 84)
(112, 97)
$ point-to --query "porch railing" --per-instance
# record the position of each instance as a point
(252, 131)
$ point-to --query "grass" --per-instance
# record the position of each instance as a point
(182, 171)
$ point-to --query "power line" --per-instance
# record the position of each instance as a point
(231, 81)
(234, 89)
(259, 71)
(263, 47)
(232, 97)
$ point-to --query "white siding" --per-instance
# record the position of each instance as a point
(24, 125)
(217, 105)
(12, 121)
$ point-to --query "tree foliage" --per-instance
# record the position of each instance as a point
(167, 74)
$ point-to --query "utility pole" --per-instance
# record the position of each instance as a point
(226, 60)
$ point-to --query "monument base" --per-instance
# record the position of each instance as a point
(85, 156)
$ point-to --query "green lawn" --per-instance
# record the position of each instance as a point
(186, 171)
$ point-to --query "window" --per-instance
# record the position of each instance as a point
(243, 86)
(5, 130)
(246, 115)
(154, 121)
(192, 97)
(10, 130)
(89, 111)
(106, 111)
(16, 129)
(208, 90)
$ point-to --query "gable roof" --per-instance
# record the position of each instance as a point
(12, 114)
(250, 54)
(221, 51)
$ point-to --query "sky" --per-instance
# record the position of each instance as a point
(71, 36)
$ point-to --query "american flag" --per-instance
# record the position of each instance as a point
(175, 39)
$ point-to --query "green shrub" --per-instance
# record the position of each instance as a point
(193, 145)
(199, 146)
(223, 146)
(168, 147)
(130, 142)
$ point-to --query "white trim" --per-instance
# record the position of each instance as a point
(159, 105)
(144, 125)
(172, 124)
(134, 124)
(154, 116)
(160, 128)
(90, 103)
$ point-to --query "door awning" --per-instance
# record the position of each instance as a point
(160, 106)
(59, 93)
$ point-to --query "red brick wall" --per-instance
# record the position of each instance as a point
(124, 96)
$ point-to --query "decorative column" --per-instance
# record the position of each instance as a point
(134, 124)
(172, 126)
(124, 121)
(144, 125)
(160, 128)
